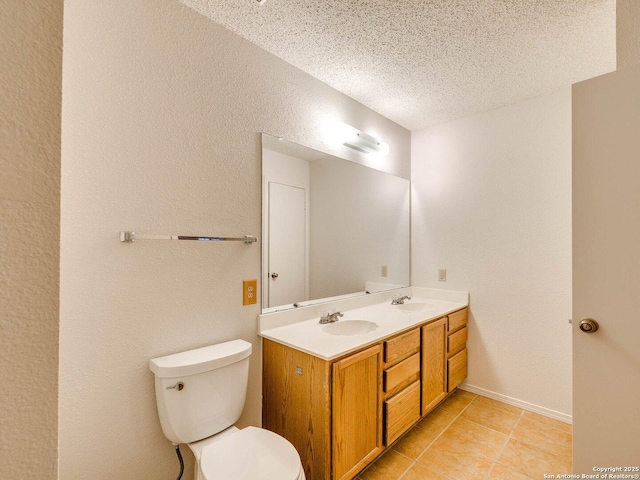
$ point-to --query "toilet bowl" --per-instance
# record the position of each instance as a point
(248, 454)
(200, 394)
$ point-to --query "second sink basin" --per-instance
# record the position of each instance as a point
(350, 327)
(414, 307)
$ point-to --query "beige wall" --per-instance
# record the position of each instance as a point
(30, 99)
(492, 205)
(627, 32)
(162, 111)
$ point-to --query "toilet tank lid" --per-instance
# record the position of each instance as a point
(200, 360)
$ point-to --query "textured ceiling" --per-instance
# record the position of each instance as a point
(421, 62)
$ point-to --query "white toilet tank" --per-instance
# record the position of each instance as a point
(201, 392)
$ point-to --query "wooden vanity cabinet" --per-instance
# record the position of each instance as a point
(341, 414)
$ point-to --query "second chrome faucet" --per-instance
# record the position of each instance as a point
(400, 300)
(331, 317)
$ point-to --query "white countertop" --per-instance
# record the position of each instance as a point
(309, 335)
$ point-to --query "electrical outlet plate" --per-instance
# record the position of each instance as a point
(249, 292)
(383, 271)
(442, 275)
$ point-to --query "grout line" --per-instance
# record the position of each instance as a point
(409, 467)
(516, 424)
(441, 433)
(519, 415)
(540, 448)
(536, 446)
(509, 437)
(503, 447)
(405, 472)
(551, 427)
(434, 440)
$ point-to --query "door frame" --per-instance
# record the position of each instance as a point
(266, 180)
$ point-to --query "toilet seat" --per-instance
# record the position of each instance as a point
(251, 454)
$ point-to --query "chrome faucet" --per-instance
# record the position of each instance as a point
(331, 317)
(400, 300)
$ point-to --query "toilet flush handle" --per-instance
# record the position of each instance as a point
(178, 386)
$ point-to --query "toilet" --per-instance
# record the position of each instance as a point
(200, 394)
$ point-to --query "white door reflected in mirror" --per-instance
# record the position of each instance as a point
(287, 253)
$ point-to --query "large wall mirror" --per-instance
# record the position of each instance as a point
(331, 227)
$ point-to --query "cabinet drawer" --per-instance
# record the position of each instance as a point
(457, 370)
(401, 411)
(401, 372)
(401, 346)
(456, 341)
(457, 320)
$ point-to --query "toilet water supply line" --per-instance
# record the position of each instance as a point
(180, 459)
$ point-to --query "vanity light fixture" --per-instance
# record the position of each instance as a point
(362, 142)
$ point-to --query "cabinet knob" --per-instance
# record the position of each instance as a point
(274, 275)
(589, 325)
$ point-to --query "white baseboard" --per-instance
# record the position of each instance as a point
(547, 412)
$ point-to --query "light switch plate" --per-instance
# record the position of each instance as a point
(442, 275)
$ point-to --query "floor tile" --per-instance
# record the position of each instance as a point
(451, 460)
(530, 460)
(455, 404)
(475, 437)
(489, 402)
(437, 420)
(388, 467)
(543, 437)
(415, 442)
(420, 472)
(464, 394)
(490, 417)
(500, 472)
(549, 422)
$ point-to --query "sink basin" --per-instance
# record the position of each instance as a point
(350, 327)
(414, 307)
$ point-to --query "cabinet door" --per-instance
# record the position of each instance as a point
(357, 415)
(296, 404)
(434, 387)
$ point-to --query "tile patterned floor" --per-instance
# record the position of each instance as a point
(470, 437)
